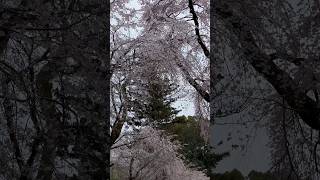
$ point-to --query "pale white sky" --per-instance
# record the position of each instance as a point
(185, 105)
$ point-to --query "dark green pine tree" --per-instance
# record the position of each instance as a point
(157, 104)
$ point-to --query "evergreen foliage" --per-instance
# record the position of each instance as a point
(157, 109)
(236, 175)
(195, 151)
(232, 175)
(156, 106)
(254, 175)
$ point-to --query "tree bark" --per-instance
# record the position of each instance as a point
(48, 153)
(262, 63)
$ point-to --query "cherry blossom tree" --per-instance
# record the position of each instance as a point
(154, 156)
(163, 39)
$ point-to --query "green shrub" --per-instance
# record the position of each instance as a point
(194, 150)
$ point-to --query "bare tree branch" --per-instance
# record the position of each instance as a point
(262, 63)
(196, 23)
